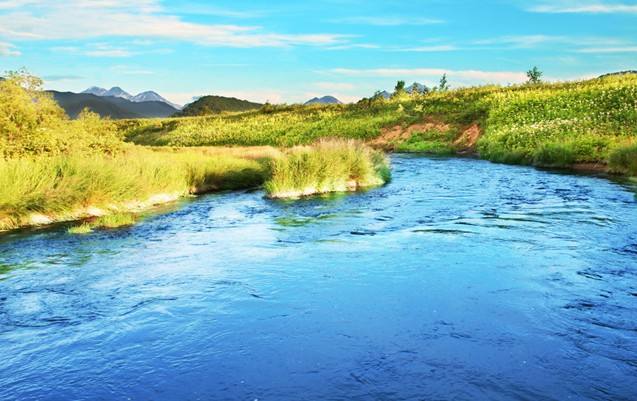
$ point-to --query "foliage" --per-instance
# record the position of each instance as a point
(623, 159)
(534, 75)
(433, 142)
(31, 123)
(443, 85)
(62, 185)
(281, 126)
(207, 105)
(560, 124)
(328, 166)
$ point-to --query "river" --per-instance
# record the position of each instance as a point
(461, 279)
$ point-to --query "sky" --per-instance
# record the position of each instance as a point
(290, 50)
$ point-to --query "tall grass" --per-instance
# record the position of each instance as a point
(623, 160)
(328, 166)
(62, 186)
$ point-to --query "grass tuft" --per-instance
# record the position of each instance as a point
(328, 166)
(623, 160)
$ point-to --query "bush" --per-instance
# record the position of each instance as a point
(329, 166)
(31, 123)
(623, 160)
(554, 155)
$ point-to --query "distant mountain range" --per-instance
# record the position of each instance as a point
(207, 105)
(324, 100)
(116, 91)
(115, 107)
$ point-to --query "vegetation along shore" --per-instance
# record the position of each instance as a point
(53, 168)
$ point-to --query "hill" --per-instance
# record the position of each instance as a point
(207, 105)
(324, 100)
(110, 106)
(549, 124)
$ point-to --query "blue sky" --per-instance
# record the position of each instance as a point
(289, 51)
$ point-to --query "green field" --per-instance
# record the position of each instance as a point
(555, 125)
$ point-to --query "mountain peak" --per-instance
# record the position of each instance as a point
(324, 100)
(116, 91)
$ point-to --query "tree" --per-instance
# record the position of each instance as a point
(534, 75)
(400, 87)
(443, 86)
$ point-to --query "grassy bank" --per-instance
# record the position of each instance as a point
(549, 124)
(328, 166)
(45, 189)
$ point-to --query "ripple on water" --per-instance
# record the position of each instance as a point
(461, 279)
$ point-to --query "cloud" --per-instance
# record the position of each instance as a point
(429, 49)
(627, 49)
(387, 21)
(130, 70)
(353, 46)
(95, 50)
(8, 50)
(520, 41)
(57, 78)
(336, 86)
(463, 77)
(142, 19)
(587, 8)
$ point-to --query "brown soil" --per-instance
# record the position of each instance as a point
(590, 167)
(389, 136)
(466, 142)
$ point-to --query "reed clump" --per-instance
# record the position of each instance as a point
(328, 166)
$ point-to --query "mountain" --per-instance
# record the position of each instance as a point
(324, 100)
(151, 96)
(385, 94)
(418, 88)
(116, 91)
(96, 90)
(110, 106)
(206, 105)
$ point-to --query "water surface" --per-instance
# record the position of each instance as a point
(460, 280)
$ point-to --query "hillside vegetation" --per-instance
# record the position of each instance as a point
(56, 169)
(554, 125)
(207, 105)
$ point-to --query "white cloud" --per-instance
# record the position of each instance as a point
(429, 49)
(463, 77)
(143, 19)
(130, 70)
(95, 50)
(8, 50)
(586, 8)
(388, 21)
(520, 41)
(627, 49)
(334, 86)
(353, 46)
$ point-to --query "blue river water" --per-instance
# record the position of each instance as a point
(460, 280)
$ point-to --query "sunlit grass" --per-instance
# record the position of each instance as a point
(328, 166)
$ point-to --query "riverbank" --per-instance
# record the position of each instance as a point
(44, 190)
(557, 125)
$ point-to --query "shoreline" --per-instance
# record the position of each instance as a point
(42, 220)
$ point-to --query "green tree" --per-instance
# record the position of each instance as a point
(400, 87)
(444, 85)
(534, 75)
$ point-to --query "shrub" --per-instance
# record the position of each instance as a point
(329, 166)
(623, 159)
